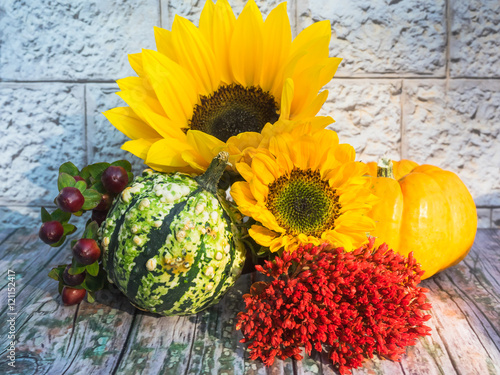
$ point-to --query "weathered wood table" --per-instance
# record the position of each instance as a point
(112, 337)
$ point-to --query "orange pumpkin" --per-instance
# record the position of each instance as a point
(423, 209)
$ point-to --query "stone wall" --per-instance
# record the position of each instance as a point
(420, 79)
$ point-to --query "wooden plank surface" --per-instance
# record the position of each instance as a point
(112, 337)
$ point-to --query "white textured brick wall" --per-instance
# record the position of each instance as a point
(420, 79)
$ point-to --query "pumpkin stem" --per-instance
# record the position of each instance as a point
(384, 168)
(212, 175)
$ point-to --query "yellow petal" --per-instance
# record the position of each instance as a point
(194, 53)
(288, 242)
(205, 144)
(348, 175)
(354, 223)
(139, 147)
(195, 161)
(259, 190)
(306, 89)
(303, 153)
(345, 153)
(313, 107)
(319, 30)
(265, 168)
(126, 121)
(338, 239)
(244, 140)
(287, 99)
(327, 139)
(223, 26)
(137, 92)
(264, 216)
(285, 163)
(276, 47)
(164, 43)
(165, 127)
(315, 40)
(245, 171)
(135, 60)
(206, 21)
(279, 145)
(329, 70)
(262, 236)
(246, 53)
(173, 85)
(240, 191)
(166, 154)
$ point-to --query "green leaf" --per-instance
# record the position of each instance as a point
(57, 272)
(68, 168)
(130, 177)
(97, 169)
(53, 274)
(45, 215)
(91, 230)
(99, 187)
(125, 164)
(93, 269)
(73, 243)
(61, 286)
(85, 173)
(81, 185)
(61, 216)
(76, 268)
(69, 228)
(90, 297)
(78, 213)
(95, 283)
(65, 180)
(92, 199)
(60, 242)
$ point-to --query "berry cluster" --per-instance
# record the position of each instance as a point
(352, 305)
(91, 189)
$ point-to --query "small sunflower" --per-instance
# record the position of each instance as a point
(207, 84)
(305, 189)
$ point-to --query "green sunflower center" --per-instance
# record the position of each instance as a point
(303, 203)
(234, 109)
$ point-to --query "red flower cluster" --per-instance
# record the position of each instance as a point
(351, 304)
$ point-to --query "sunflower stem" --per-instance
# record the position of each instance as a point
(211, 177)
(384, 168)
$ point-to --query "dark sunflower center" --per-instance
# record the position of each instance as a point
(303, 203)
(234, 109)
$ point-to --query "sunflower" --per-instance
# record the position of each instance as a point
(207, 84)
(303, 189)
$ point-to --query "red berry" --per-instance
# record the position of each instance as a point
(105, 203)
(114, 179)
(99, 216)
(51, 232)
(86, 251)
(72, 280)
(70, 199)
(72, 296)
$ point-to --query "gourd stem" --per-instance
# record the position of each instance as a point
(384, 168)
(211, 177)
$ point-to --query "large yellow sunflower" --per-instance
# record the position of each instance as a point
(305, 189)
(206, 84)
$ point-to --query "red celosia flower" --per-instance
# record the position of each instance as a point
(351, 304)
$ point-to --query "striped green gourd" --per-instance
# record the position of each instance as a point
(169, 244)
